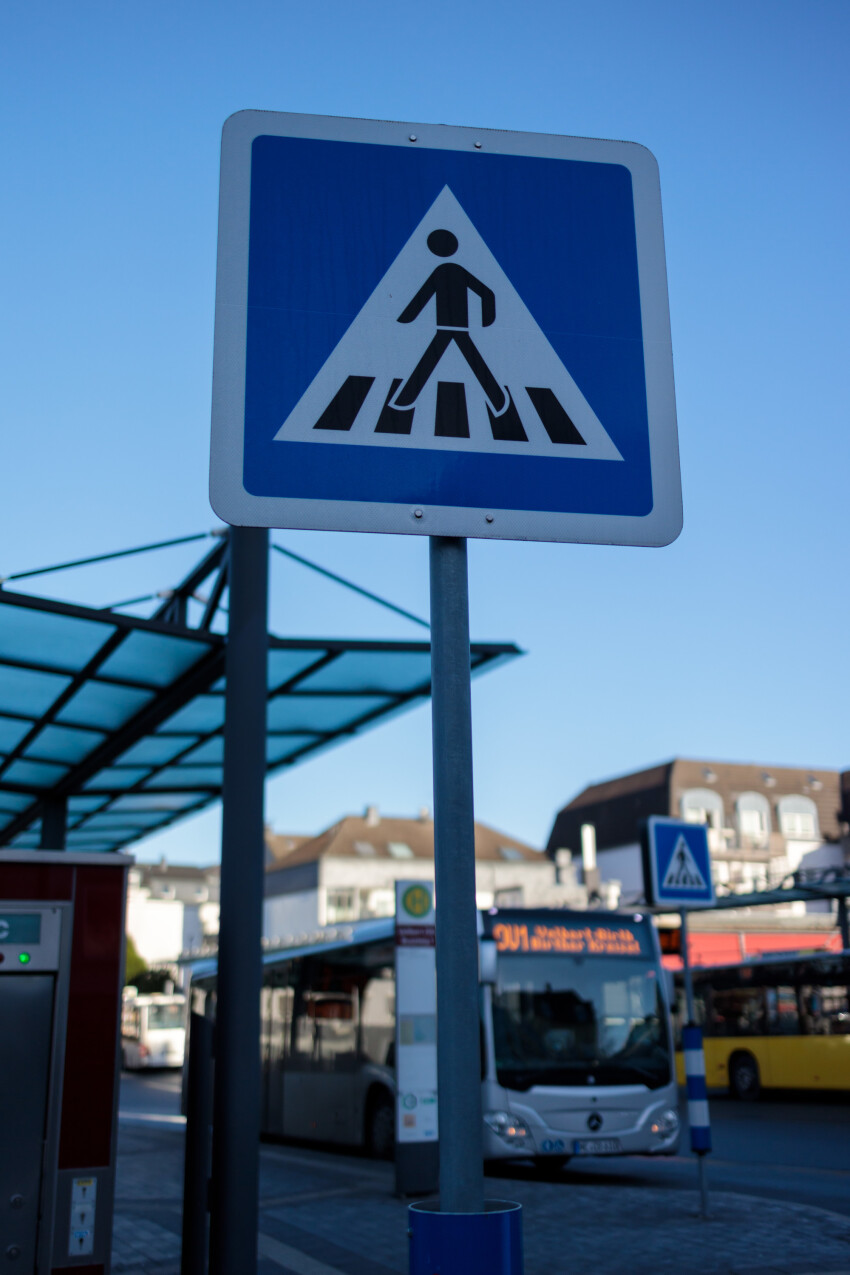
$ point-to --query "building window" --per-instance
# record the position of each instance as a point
(798, 818)
(399, 850)
(510, 853)
(753, 811)
(341, 906)
(701, 805)
(380, 902)
(365, 848)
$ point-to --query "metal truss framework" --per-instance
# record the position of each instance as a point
(111, 726)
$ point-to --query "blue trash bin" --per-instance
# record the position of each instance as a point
(488, 1243)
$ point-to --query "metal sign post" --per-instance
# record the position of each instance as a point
(458, 1062)
(236, 1109)
(695, 1076)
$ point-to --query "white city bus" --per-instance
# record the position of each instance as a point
(153, 1030)
(577, 1052)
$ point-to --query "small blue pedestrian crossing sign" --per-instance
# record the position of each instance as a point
(442, 331)
(677, 863)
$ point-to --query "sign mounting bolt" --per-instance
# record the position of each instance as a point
(488, 517)
(417, 513)
(412, 137)
(477, 145)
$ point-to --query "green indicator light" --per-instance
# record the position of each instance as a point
(24, 958)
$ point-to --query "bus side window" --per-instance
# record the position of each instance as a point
(782, 1016)
(738, 1011)
(825, 1011)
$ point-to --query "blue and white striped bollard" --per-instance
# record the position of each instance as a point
(697, 1093)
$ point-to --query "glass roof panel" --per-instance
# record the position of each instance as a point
(26, 840)
(310, 713)
(154, 658)
(82, 840)
(204, 714)
(12, 731)
(156, 750)
(151, 801)
(187, 777)
(284, 665)
(396, 672)
(79, 805)
(14, 801)
(39, 774)
(139, 819)
(279, 747)
(64, 642)
(114, 778)
(29, 693)
(211, 750)
(99, 704)
(63, 743)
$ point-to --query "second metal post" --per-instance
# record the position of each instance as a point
(458, 1014)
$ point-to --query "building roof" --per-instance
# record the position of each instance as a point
(372, 836)
(174, 872)
(616, 806)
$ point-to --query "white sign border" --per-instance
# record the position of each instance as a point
(239, 507)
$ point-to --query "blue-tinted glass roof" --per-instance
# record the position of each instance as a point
(122, 717)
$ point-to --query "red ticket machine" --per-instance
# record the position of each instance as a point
(61, 972)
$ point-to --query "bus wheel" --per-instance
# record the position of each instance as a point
(380, 1126)
(744, 1079)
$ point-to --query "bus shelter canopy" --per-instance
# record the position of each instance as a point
(118, 721)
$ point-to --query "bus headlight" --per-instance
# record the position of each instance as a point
(509, 1129)
(666, 1123)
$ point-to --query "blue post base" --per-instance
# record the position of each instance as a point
(458, 1243)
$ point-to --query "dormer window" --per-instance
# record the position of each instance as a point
(753, 811)
(702, 805)
(798, 818)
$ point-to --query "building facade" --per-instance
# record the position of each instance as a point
(764, 823)
(348, 873)
(172, 910)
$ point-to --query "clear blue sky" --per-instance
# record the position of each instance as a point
(731, 644)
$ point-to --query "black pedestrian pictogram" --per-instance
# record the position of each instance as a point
(450, 285)
(445, 353)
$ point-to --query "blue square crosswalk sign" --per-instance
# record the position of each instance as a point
(677, 864)
(444, 331)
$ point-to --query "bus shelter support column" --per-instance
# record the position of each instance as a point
(458, 1013)
(236, 1102)
(700, 1133)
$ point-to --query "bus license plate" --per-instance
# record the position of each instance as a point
(596, 1146)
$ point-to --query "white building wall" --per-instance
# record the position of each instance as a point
(373, 881)
(288, 914)
(156, 927)
(623, 864)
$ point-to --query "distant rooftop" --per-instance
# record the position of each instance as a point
(375, 836)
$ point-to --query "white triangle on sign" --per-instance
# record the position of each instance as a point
(533, 407)
(682, 872)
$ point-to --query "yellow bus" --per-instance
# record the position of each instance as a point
(780, 1022)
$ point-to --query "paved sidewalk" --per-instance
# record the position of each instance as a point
(328, 1214)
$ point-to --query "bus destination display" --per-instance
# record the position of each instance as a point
(575, 940)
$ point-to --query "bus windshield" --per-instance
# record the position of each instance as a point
(164, 1017)
(578, 1020)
